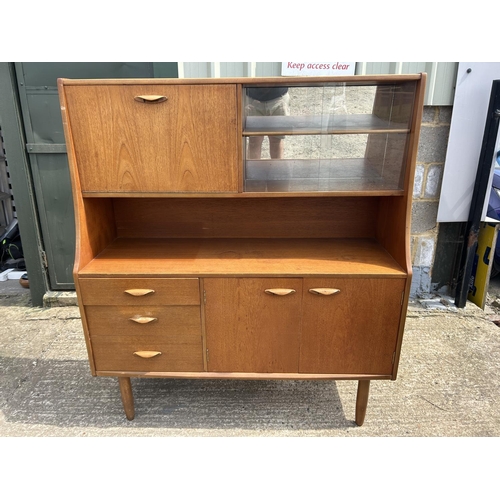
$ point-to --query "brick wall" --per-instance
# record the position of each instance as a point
(427, 188)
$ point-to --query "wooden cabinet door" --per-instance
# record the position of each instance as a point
(188, 142)
(249, 330)
(353, 331)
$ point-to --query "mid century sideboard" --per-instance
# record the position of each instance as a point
(195, 259)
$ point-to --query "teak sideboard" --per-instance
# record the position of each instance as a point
(196, 259)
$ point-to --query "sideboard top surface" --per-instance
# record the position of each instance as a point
(310, 80)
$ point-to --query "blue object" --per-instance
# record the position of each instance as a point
(494, 213)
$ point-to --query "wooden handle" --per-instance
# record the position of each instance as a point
(143, 320)
(150, 98)
(280, 291)
(139, 292)
(147, 354)
(324, 291)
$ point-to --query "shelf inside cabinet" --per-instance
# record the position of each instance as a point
(209, 257)
(321, 124)
(339, 174)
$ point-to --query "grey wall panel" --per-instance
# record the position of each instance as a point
(233, 69)
(229, 69)
(19, 168)
(56, 216)
(445, 86)
(441, 77)
(45, 118)
(195, 70)
(165, 70)
(413, 67)
(373, 68)
(40, 74)
(268, 69)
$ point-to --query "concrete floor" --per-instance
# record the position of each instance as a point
(447, 385)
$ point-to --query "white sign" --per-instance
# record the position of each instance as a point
(295, 68)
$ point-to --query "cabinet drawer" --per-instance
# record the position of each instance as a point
(176, 321)
(117, 353)
(139, 291)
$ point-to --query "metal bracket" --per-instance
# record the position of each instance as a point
(34, 148)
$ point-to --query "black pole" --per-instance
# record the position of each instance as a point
(481, 187)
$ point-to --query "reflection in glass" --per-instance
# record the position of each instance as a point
(331, 137)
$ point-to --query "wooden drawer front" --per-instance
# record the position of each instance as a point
(113, 291)
(187, 142)
(353, 331)
(178, 321)
(113, 353)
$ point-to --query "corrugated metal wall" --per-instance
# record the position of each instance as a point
(440, 81)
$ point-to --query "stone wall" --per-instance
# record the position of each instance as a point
(427, 188)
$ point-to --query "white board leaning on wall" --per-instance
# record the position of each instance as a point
(472, 97)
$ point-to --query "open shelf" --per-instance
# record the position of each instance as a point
(286, 257)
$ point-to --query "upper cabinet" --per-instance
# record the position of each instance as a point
(151, 138)
(336, 136)
(253, 137)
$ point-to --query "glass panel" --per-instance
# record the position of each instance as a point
(326, 138)
(355, 162)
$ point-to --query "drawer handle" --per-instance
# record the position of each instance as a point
(280, 291)
(324, 291)
(150, 98)
(143, 320)
(147, 354)
(139, 292)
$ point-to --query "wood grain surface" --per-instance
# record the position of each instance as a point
(242, 257)
(249, 330)
(189, 142)
(117, 353)
(349, 217)
(354, 331)
(174, 321)
(98, 292)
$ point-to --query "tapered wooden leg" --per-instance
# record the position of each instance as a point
(362, 400)
(127, 397)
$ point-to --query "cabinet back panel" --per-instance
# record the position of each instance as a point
(349, 217)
